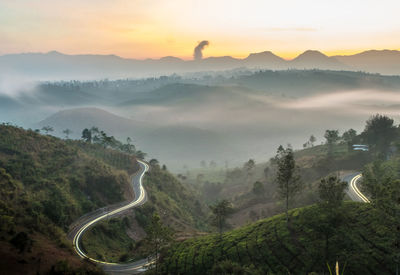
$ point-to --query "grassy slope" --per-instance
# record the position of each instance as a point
(47, 183)
(314, 163)
(176, 204)
(108, 241)
(362, 240)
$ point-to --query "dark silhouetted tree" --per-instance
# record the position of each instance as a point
(331, 136)
(67, 132)
(312, 140)
(154, 163)
(287, 176)
(221, 211)
(379, 132)
(249, 167)
(266, 172)
(258, 188)
(332, 191)
(87, 135)
(128, 147)
(158, 237)
(47, 129)
(95, 134)
(349, 135)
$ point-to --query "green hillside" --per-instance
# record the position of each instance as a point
(237, 184)
(47, 183)
(177, 205)
(361, 239)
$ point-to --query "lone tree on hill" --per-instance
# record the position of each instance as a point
(266, 172)
(128, 147)
(249, 167)
(379, 132)
(331, 136)
(154, 163)
(48, 129)
(221, 210)
(258, 188)
(158, 237)
(331, 191)
(67, 132)
(87, 135)
(287, 176)
(349, 135)
(312, 140)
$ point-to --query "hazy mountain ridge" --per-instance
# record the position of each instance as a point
(384, 62)
(225, 116)
(158, 139)
(55, 65)
(219, 118)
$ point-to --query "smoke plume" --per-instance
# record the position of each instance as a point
(198, 54)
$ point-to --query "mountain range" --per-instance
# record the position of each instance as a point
(58, 66)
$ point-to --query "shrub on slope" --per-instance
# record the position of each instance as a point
(358, 237)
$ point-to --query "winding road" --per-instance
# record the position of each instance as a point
(89, 221)
(140, 198)
(353, 191)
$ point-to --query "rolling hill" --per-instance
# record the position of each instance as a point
(157, 139)
(231, 118)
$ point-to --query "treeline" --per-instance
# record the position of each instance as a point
(96, 136)
(107, 84)
(380, 137)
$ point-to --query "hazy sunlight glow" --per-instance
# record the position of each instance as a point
(141, 29)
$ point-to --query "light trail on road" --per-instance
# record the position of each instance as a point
(140, 198)
(353, 186)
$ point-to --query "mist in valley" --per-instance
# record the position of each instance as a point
(225, 117)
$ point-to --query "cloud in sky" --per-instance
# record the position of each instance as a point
(236, 27)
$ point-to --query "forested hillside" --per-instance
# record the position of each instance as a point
(47, 183)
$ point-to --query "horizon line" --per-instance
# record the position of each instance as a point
(242, 57)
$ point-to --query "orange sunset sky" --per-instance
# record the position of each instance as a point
(155, 28)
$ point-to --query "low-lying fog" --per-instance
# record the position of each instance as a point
(183, 124)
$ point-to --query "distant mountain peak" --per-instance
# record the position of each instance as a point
(55, 65)
(311, 54)
(263, 56)
(225, 57)
(312, 59)
(54, 53)
(170, 58)
(379, 53)
(264, 53)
